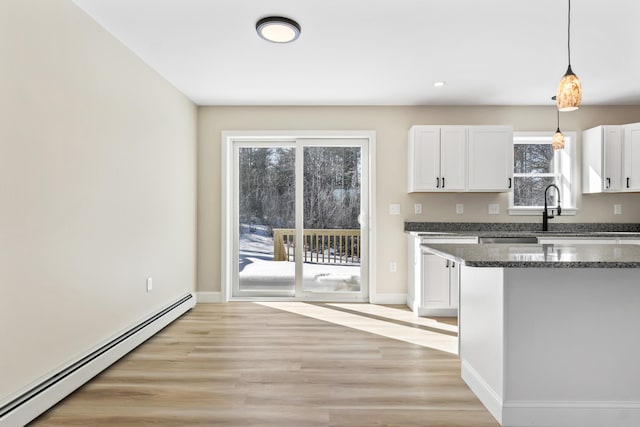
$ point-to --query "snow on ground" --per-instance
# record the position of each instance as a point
(258, 270)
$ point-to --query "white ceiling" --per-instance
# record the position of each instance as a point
(384, 52)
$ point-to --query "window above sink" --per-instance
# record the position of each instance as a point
(537, 165)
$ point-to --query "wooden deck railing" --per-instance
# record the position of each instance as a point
(320, 246)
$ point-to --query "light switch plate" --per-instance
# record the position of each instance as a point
(494, 209)
(394, 209)
(417, 208)
(617, 209)
(459, 208)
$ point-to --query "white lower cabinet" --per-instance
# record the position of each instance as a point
(440, 281)
(433, 281)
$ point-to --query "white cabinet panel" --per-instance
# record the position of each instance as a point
(453, 155)
(602, 159)
(424, 158)
(631, 175)
(436, 282)
(460, 158)
(490, 157)
(611, 159)
(433, 283)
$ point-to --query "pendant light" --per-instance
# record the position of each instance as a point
(557, 143)
(569, 94)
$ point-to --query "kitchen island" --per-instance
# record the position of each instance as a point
(549, 333)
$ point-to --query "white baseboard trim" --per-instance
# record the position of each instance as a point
(489, 398)
(551, 414)
(50, 391)
(209, 297)
(570, 414)
(379, 298)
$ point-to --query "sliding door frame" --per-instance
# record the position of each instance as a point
(228, 193)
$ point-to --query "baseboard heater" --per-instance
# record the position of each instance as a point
(47, 393)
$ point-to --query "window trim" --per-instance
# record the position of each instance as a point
(569, 159)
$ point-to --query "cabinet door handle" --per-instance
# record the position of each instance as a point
(628, 185)
(509, 183)
(447, 265)
(438, 182)
(443, 182)
(453, 264)
(608, 182)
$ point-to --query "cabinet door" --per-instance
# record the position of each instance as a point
(631, 181)
(424, 158)
(490, 157)
(435, 281)
(453, 158)
(454, 284)
(612, 152)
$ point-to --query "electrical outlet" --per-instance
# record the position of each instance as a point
(393, 267)
(149, 284)
(494, 209)
(617, 209)
(417, 208)
(394, 209)
(459, 208)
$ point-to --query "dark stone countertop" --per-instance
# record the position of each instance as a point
(539, 256)
(524, 229)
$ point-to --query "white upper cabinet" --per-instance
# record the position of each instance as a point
(602, 159)
(490, 158)
(611, 159)
(631, 175)
(424, 158)
(453, 158)
(437, 157)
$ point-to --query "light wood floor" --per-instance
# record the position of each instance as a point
(247, 364)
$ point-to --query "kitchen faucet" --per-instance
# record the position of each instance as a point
(545, 212)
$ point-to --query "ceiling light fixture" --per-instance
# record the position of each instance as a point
(439, 84)
(277, 29)
(569, 94)
(557, 143)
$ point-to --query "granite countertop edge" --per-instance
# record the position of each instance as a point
(522, 229)
(482, 257)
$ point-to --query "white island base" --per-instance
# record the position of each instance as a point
(553, 346)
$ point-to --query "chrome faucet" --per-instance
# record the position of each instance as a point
(545, 213)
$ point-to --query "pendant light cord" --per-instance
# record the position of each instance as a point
(569, 33)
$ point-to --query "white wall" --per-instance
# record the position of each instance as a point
(391, 125)
(97, 189)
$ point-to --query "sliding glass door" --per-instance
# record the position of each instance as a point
(299, 207)
(265, 205)
(332, 201)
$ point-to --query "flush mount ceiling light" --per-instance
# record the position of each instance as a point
(277, 29)
(557, 143)
(439, 84)
(569, 94)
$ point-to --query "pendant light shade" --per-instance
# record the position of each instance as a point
(569, 95)
(557, 143)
